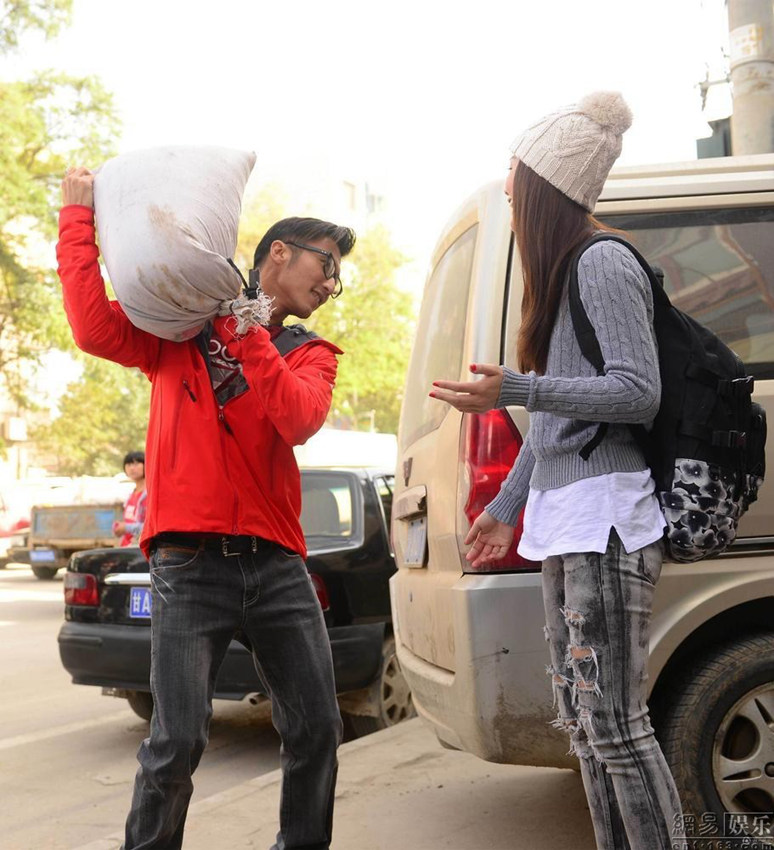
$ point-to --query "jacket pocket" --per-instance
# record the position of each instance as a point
(185, 395)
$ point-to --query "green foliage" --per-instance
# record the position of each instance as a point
(48, 122)
(373, 323)
(20, 16)
(103, 416)
(260, 211)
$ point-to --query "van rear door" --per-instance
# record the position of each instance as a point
(718, 263)
(460, 322)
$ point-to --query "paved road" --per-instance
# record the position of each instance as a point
(67, 753)
(67, 762)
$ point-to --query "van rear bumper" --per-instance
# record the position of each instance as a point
(496, 703)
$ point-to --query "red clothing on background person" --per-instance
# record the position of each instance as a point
(134, 516)
(210, 469)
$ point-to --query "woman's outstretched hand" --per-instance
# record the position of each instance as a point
(472, 396)
(491, 539)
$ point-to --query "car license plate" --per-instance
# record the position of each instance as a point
(41, 556)
(140, 602)
(417, 542)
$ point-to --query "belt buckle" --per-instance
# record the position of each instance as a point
(224, 541)
(224, 548)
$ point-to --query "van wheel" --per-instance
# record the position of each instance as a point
(141, 703)
(389, 695)
(45, 573)
(718, 731)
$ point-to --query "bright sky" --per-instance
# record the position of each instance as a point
(420, 97)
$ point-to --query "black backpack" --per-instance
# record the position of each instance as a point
(706, 447)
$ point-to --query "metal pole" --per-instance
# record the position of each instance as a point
(751, 31)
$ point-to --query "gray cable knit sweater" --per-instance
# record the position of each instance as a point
(569, 401)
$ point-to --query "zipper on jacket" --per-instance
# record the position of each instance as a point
(223, 438)
(176, 420)
(223, 419)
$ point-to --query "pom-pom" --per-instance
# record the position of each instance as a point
(608, 109)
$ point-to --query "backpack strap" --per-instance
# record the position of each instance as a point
(287, 340)
(202, 340)
(587, 337)
(292, 337)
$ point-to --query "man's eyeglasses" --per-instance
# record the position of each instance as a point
(329, 269)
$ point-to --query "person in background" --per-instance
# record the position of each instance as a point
(592, 518)
(130, 528)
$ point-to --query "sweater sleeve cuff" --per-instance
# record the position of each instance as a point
(514, 390)
(505, 507)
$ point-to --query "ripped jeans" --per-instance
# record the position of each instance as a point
(598, 612)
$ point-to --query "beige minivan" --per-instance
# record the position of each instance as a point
(471, 641)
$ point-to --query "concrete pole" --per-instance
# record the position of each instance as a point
(751, 31)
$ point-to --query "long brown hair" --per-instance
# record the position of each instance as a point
(548, 227)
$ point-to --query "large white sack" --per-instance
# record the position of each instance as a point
(167, 220)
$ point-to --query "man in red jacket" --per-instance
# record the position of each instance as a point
(222, 528)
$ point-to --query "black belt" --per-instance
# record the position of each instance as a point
(225, 544)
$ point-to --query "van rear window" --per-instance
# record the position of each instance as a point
(719, 268)
(437, 351)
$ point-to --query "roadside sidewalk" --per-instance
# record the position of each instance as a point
(400, 788)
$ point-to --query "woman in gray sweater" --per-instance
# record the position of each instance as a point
(595, 523)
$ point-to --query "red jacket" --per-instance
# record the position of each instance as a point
(228, 470)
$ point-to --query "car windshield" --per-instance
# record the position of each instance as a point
(327, 505)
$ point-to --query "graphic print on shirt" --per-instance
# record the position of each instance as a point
(228, 381)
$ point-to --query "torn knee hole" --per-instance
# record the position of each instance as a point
(588, 687)
(566, 724)
(572, 618)
(582, 653)
(558, 679)
(583, 661)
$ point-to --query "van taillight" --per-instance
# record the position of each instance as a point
(321, 590)
(80, 589)
(492, 443)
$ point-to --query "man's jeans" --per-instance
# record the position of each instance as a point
(598, 611)
(201, 599)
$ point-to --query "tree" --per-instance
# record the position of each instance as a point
(48, 121)
(19, 16)
(262, 209)
(373, 323)
(103, 416)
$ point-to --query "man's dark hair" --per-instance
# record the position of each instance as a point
(134, 457)
(304, 230)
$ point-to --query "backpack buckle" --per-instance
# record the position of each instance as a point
(737, 387)
(729, 439)
(254, 284)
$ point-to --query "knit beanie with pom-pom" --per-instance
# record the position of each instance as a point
(575, 148)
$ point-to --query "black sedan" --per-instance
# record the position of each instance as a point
(105, 639)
